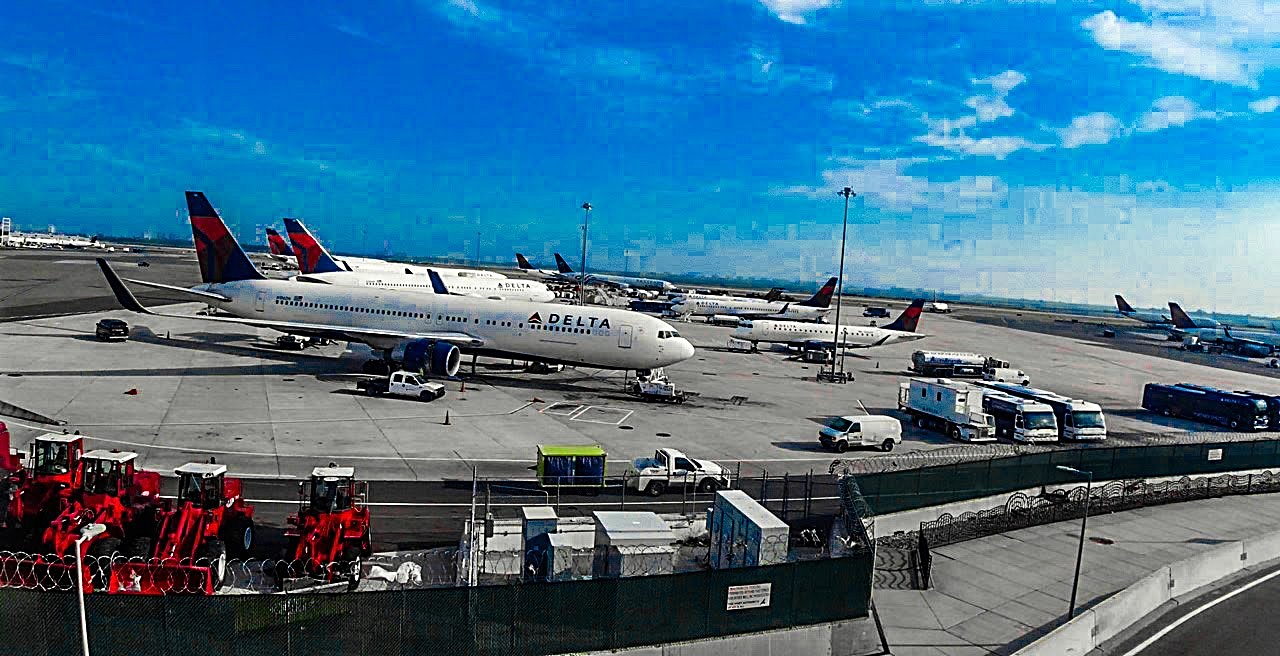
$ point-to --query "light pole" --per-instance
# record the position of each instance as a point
(1084, 522)
(88, 532)
(582, 275)
(848, 193)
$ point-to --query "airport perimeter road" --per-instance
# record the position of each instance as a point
(1235, 619)
(998, 593)
(40, 283)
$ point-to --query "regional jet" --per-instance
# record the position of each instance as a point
(798, 334)
(424, 331)
(1249, 343)
(706, 305)
(323, 268)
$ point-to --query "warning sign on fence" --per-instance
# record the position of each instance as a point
(749, 596)
(1215, 454)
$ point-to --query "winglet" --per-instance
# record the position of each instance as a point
(910, 318)
(124, 297)
(437, 285)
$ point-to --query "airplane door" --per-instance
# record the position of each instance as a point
(260, 304)
(624, 336)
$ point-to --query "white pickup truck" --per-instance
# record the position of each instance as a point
(669, 467)
(402, 383)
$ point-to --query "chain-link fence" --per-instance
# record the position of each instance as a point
(528, 618)
(894, 491)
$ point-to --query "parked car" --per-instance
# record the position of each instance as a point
(877, 312)
(111, 330)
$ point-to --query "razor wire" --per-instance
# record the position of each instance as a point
(117, 574)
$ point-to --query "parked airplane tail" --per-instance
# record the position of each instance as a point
(1123, 305)
(774, 294)
(312, 257)
(910, 317)
(221, 258)
(523, 263)
(822, 299)
(277, 243)
(1180, 318)
(437, 284)
(561, 265)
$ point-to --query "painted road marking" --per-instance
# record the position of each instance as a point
(1186, 618)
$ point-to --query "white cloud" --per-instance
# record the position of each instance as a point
(1173, 111)
(767, 71)
(796, 11)
(998, 147)
(1181, 50)
(886, 183)
(1264, 105)
(1003, 83)
(987, 108)
(1090, 129)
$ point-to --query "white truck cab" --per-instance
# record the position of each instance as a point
(403, 383)
(669, 467)
(839, 433)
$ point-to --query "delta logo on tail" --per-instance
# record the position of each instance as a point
(910, 317)
(305, 247)
(277, 243)
(823, 298)
(220, 257)
(561, 265)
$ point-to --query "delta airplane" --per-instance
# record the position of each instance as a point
(427, 331)
(279, 250)
(706, 305)
(1250, 343)
(322, 267)
(370, 265)
(1149, 318)
(798, 334)
(623, 282)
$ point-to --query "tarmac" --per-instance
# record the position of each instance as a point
(994, 595)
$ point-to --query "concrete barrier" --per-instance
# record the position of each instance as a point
(1131, 604)
(1202, 569)
(1075, 638)
(1122, 609)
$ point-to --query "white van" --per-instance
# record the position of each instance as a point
(1006, 375)
(840, 433)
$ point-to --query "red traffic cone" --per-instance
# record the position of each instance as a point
(133, 391)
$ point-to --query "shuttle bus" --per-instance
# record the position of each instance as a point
(1207, 404)
(1077, 420)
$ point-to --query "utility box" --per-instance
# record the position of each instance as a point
(632, 544)
(536, 524)
(744, 533)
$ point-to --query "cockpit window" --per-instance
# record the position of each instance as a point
(665, 334)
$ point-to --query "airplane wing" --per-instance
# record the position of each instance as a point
(345, 333)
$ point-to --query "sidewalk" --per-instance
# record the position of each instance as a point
(995, 594)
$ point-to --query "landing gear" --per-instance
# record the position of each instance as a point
(381, 367)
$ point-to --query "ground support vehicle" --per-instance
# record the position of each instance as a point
(952, 407)
(571, 466)
(1020, 420)
(208, 522)
(656, 387)
(1076, 420)
(880, 431)
(111, 329)
(330, 534)
(670, 468)
(39, 489)
(404, 384)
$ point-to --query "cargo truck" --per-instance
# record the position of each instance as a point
(952, 407)
(1020, 420)
(1077, 420)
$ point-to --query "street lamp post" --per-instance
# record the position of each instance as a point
(582, 275)
(848, 193)
(1084, 522)
(86, 533)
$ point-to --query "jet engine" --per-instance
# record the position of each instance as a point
(436, 358)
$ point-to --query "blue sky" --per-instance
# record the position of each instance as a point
(1057, 150)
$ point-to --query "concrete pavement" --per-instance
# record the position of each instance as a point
(994, 595)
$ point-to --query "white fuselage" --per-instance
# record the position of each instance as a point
(382, 266)
(595, 337)
(788, 332)
(702, 305)
(502, 288)
(650, 284)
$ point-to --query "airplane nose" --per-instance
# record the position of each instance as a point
(683, 349)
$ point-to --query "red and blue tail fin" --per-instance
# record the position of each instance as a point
(312, 257)
(561, 265)
(822, 299)
(277, 243)
(910, 317)
(221, 258)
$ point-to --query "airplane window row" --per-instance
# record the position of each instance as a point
(350, 308)
(561, 329)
